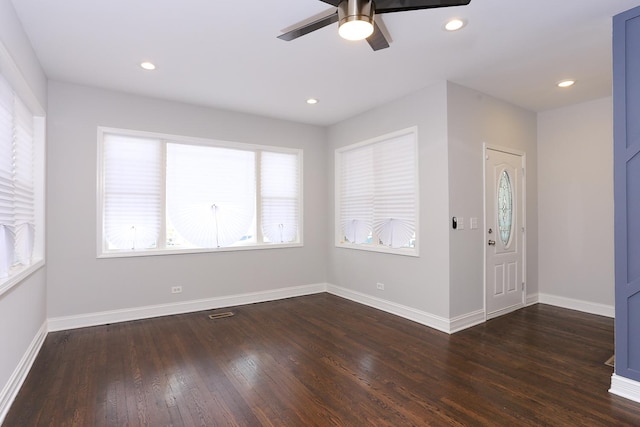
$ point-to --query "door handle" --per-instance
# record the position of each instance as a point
(492, 242)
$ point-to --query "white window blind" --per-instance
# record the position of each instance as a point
(17, 197)
(394, 203)
(24, 184)
(357, 194)
(279, 195)
(168, 193)
(132, 192)
(377, 192)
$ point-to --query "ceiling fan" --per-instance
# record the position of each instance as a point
(356, 18)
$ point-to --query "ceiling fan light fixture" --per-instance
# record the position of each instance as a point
(355, 19)
(355, 30)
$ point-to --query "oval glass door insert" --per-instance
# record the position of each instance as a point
(505, 207)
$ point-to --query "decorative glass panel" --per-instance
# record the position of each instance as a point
(505, 207)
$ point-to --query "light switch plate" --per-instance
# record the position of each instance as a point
(473, 223)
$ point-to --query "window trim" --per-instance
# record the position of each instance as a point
(18, 274)
(338, 241)
(102, 252)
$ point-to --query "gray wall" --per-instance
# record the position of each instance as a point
(575, 145)
(78, 283)
(423, 282)
(453, 122)
(475, 118)
(23, 308)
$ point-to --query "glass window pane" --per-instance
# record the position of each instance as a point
(210, 193)
(505, 208)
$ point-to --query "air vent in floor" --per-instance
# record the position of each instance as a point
(220, 315)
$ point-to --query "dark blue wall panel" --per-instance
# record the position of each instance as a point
(626, 119)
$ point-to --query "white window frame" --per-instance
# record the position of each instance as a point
(103, 252)
(376, 247)
(20, 272)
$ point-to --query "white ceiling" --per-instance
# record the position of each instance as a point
(225, 54)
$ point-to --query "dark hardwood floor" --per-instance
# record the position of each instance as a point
(322, 360)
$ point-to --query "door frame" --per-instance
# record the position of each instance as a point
(523, 191)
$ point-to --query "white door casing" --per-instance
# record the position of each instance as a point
(504, 231)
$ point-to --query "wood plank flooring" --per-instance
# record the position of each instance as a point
(321, 360)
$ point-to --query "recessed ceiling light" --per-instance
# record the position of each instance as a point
(566, 83)
(454, 24)
(148, 65)
(312, 101)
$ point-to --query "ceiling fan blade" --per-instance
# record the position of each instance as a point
(332, 2)
(377, 40)
(308, 28)
(388, 6)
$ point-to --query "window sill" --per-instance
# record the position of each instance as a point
(161, 252)
(19, 275)
(413, 252)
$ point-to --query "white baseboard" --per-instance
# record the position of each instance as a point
(113, 316)
(624, 387)
(137, 313)
(11, 388)
(431, 320)
(580, 305)
(504, 311)
(458, 323)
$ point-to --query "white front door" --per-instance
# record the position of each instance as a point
(504, 232)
